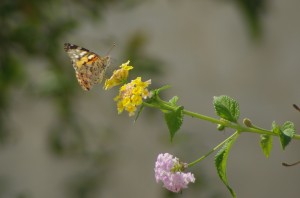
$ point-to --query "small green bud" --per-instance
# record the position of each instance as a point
(221, 127)
(247, 122)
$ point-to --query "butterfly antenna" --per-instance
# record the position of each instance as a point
(293, 164)
(296, 107)
(110, 49)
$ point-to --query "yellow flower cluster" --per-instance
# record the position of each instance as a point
(119, 76)
(131, 95)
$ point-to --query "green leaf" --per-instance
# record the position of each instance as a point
(174, 120)
(174, 100)
(221, 162)
(139, 112)
(287, 131)
(227, 108)
(266, 144)
(275, 128)
(157, 91)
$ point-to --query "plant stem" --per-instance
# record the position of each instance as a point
(213, 150)
(235, 126)
(163, 105)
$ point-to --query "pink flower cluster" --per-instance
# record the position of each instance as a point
(166, 171)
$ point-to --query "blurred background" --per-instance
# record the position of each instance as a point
(60, 141)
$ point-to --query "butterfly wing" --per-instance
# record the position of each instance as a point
(89, 67)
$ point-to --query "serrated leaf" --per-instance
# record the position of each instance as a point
(174, 120)
(287, 131)
(266, 144)
(227, 108)
(174, 100)
(275, 128)
(221, 162)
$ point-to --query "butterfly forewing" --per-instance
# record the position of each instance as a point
(89, 67)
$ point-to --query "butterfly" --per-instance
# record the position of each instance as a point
(89, 67)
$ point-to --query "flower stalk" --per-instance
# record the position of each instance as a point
(213, 150)
(164, 105)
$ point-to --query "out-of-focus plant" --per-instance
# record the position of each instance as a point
(32, 31)
(253, 11)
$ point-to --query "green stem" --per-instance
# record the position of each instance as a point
(161, 104)
(235, 126)
(213, 150)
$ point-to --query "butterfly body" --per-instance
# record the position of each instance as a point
(89, 67)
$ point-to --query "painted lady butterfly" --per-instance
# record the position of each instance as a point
(89, 67)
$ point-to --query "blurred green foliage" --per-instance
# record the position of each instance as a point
(253, 11)
(33, 30)
(147, 65)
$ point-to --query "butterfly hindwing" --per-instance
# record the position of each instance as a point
(89, 67)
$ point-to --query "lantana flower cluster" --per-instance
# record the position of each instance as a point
(130, 95)
(169, 170)
(119, 76)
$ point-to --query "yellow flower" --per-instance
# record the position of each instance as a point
(119, 76)
(131, 95)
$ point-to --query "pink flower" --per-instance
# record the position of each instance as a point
(169, 171)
